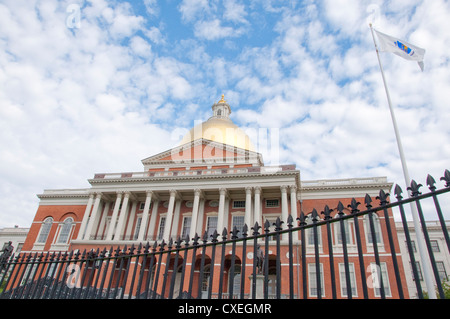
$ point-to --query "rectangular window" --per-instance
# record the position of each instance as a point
(186, 227)
(239, 204)
(441, 270)
(162, 224)
(313, 280)
(376, 280)
(419, 270)
(343, 279)
(347, 230)
(238, 221)
(211, 225)
(413, 245)
(434, 246)
(138, 227)
(272, 203)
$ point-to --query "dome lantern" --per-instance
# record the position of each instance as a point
(220, 128)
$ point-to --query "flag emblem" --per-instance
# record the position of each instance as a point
(404, 48)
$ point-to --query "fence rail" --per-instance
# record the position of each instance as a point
(349, 253)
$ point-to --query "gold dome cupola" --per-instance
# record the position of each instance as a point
(220, 128)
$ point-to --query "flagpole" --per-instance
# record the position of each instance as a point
(420, 240)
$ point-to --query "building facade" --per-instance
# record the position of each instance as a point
(438, 246)
(214, 179)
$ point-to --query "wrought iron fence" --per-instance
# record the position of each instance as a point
(349, 253)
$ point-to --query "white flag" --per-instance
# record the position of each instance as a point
(401, 48)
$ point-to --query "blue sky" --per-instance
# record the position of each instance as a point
(95, 86)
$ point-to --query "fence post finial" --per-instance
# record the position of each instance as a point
(446, 178)
(431, 182)
(414, 188)
(398, 192)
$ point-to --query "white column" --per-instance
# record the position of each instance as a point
(257, 212)
(197, 193)
(123, 214)
(248, 208)
(151, 227)
(85, 217)
(284, 204)
(112, 223)
(176, 218)
(169, 217)
(294, 213)
(201, 213)
(101, 227)
(130, 223)
(94, 217)
(220, 218)
(145, 214)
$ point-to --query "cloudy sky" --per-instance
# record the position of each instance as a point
(96, 86)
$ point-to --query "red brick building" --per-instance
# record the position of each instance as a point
(215, 179)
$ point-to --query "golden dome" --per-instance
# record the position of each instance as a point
(219, 128)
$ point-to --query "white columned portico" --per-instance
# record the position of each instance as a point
(86, 216)
(284, 204)
(220, 217)
(112, 223)
(169, 217)
(257, 211)
(123, 214)
(248, 207)
(145, 214)
(194, 218)
(94, 217)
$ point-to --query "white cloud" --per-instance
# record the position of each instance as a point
(235, 12)
(191, 9)
(79, 101)
(214, 30)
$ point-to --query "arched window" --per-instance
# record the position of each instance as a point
(66, 229)
(236, 280)
(219, 112)
(45, 230)
(205, 281)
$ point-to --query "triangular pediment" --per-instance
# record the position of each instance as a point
(202, 151)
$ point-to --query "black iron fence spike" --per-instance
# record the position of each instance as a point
(245, 230)
(327, 212)
(414, 188)
(290, 221)
(205, 237)
(224, 233)
(383, 197)
(368, 201)
(446, 178)
(256, 228)
(214, 236)
(431, 182)
(354, 206)
(266, 226)
(314, 215)
(302, 219)
(340, 208)
(398, 192)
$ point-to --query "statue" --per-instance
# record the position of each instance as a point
(259, 260)
(6, 253)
